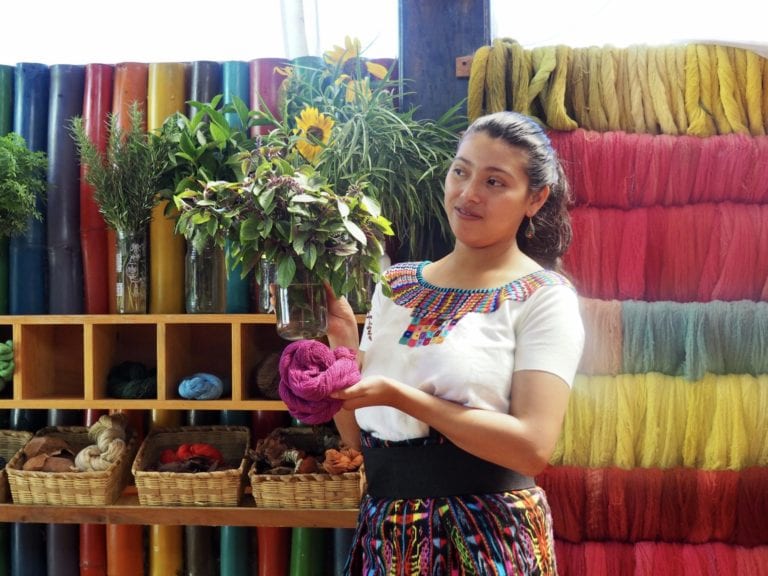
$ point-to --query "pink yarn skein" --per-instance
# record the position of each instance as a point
(309, 373)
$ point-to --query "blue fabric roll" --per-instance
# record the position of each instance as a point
(236, 81)
(65, 265)
(27, 253)
(201, 386)
(204, 82)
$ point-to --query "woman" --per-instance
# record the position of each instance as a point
(467, 364)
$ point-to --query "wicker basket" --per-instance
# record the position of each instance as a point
(11, 441)
(306, 490)
(70, 488)
(217, 488)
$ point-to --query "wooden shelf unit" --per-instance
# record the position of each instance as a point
(62, 362)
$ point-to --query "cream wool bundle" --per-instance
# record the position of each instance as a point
(108, 433)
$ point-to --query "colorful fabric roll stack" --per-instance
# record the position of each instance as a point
(662, 465)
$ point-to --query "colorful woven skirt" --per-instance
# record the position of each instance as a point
(504, 534)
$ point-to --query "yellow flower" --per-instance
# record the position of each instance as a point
(315, 131)
(339, 55)
(345, 58)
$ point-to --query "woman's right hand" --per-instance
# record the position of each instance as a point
(342, 324)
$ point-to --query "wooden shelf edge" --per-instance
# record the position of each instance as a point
(111, 404)
(127, 510)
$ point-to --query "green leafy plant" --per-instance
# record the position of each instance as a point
(287, 212)
(126, 179)
(205, 145)
(402, 158)
(23, 179)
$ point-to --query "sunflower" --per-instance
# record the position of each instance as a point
(347, 60)
(314, 129)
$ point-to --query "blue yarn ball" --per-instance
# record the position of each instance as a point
(201, 386)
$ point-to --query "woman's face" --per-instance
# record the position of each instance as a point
(486, 192)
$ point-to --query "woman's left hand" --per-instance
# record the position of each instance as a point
(370, 391)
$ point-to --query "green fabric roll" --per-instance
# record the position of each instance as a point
(307, 552)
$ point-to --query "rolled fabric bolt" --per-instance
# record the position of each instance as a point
(201, 386)
(309, 373)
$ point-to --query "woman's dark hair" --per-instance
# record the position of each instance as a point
(552, 223)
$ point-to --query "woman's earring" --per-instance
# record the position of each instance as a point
(530, 230)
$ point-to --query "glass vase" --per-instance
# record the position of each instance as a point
(266, 283)
(131, 281)
(361, 289)
(205, 276)
(301, 308)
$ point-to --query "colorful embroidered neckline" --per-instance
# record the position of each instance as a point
(437, 310)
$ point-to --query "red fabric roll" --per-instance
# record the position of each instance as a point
(97, 104)
(265, 87)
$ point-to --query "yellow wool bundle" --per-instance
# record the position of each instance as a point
(495, 78)
(520, 72)
(477, 73)
(554, 95)
(695, 89)
(754, 89)
(659, 90)
(656, 421)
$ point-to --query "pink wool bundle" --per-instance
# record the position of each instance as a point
(309, 373)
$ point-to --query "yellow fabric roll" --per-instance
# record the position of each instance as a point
(495, 78)
(476, 93)
(729, 91)
(166, 555)
(165, 95)
(754, 92)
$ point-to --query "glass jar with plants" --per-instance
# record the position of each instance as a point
(285, 211)
(22, 181)
(206, 145)
(126, 180)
